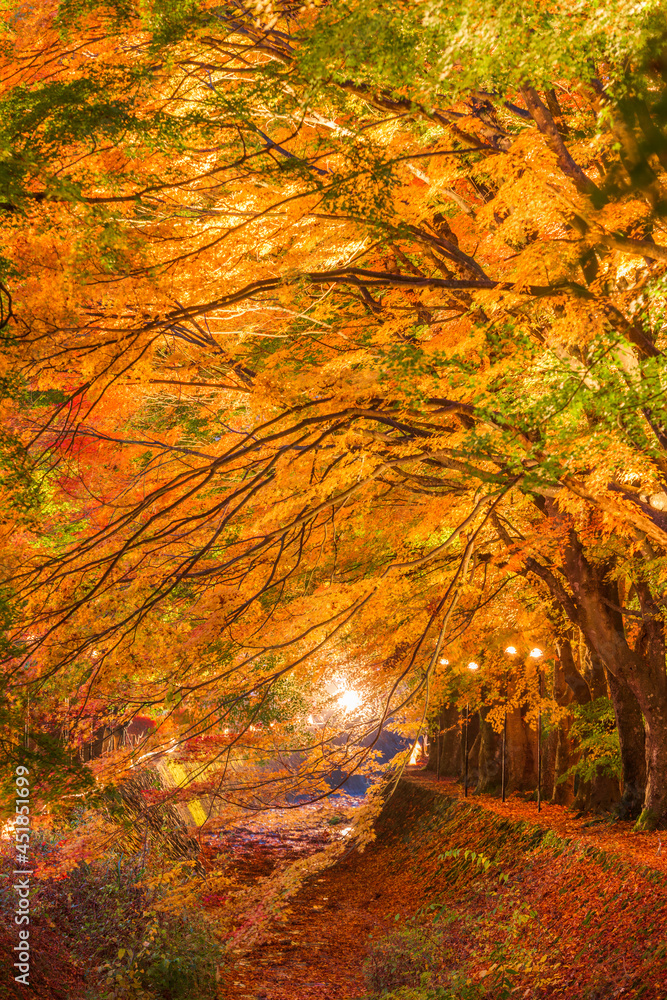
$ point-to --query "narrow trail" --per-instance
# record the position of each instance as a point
(317, 950)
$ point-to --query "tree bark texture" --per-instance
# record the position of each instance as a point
(451, 730)
(489, 763)
(642, 669)
(632, 740)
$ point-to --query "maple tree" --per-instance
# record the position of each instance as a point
(333, 338)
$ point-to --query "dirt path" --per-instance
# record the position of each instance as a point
(317, 952)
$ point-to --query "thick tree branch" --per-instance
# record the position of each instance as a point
(547, 126)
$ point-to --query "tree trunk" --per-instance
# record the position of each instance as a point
(650, 688)
(549, 765)
(568, 673)
(451, 730)
(473, 754)
(593, 671)
(632, 740)
(549, 749)
(583, 672)
(593, 605)
(563, 793)
(602, 792)
(654, 812)
(517, 751)
(566, 680)
(642, 668)
(489, 756)
(599, 795)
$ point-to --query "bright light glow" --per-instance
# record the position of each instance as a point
(536, 653)
(416, 753)
(511, 650)
(349, 700)
(346, 831)
(7, 830)
(473, 666)
(445, 663)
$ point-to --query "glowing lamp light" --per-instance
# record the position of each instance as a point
(473, 666)
(511, 650)
(349, 700)
(7, 830)
(536, 653)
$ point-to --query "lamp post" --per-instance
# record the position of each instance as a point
(502, 768)
(539, 743)
(511, 651)
(471, 666)
(537, 655)
(444, 663)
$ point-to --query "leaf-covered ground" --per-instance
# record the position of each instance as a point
(548, 905)
(317, 950)
(617, 837)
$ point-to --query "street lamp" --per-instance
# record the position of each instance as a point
(536, 655)
(511, 651)
(471, 666)
(445, 663)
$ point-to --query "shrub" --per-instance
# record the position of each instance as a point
(53, 973)
(594, 728)
(116, 932)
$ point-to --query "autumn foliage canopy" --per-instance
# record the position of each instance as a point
(333, 359)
